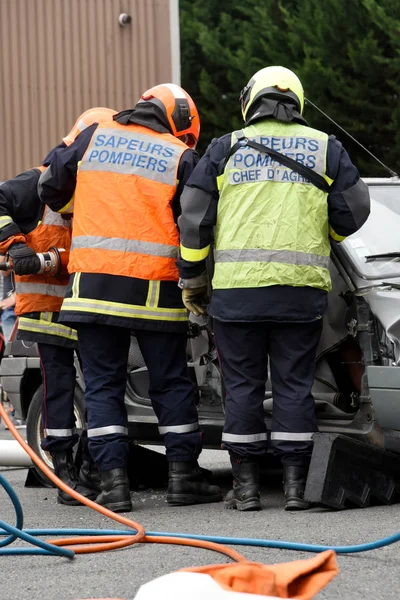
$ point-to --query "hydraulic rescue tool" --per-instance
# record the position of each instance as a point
(53, 262)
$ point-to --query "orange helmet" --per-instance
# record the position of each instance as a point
(93, 115)
(179, 109)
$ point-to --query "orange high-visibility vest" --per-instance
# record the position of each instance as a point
(123, 219)
(44, 293)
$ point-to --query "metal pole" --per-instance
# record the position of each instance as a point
(13, 455)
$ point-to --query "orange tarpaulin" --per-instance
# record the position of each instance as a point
(300, 579)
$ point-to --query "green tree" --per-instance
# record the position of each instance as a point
(347, 55)
(223, 43)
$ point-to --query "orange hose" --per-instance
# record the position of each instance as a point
(233, 554)
(99, 540)
(63, 486)
(90, 544)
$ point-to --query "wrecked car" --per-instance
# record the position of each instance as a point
(357, 381)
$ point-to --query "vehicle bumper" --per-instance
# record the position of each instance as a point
(12, 371)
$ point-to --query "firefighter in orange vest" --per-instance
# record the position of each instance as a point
(27, 227)
(126, 178)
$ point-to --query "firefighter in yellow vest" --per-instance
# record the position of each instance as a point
(274, 219)
(126, 178)
(27, 227)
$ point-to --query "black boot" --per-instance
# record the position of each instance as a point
(187, 484)
(115, 493)
(245, 494)
(89, 475)
(65, 469)
(294, 484)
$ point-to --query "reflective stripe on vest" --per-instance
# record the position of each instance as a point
(235, 438)
(123, 219)
(117, 309)
(54, 218)
(153, 295)
(47, 327)
(272, 225)
(123, 245)
(281, 256)
(5, 221)
(131, 153)
(250, 166)
(178, 428)
(49, 289)
(108, 430)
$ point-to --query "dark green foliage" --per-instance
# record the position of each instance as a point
(346, 52)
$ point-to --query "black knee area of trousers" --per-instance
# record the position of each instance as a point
(59, 379)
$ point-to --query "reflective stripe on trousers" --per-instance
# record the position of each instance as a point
(275, 435)
(60, 432)
(124, 245)
(108, 430)
(235, 438)
(280, 256)
(48, 289)
(178, 428)
(291, 437)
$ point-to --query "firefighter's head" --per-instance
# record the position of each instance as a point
(99, 114)
(176, 109)
(277, 83)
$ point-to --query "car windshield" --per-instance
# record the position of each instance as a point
(379, 235)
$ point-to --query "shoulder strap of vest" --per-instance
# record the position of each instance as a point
(306, 172)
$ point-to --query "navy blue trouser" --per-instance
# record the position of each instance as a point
(104, 352)
(244, 349)
(58, 376)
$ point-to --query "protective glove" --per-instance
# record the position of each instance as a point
(195, 300)
(24, 259)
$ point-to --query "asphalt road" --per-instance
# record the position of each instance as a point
(375, 574)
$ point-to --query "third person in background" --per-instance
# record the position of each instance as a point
(271, 280)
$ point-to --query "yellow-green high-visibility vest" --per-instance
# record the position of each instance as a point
(272, 224)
